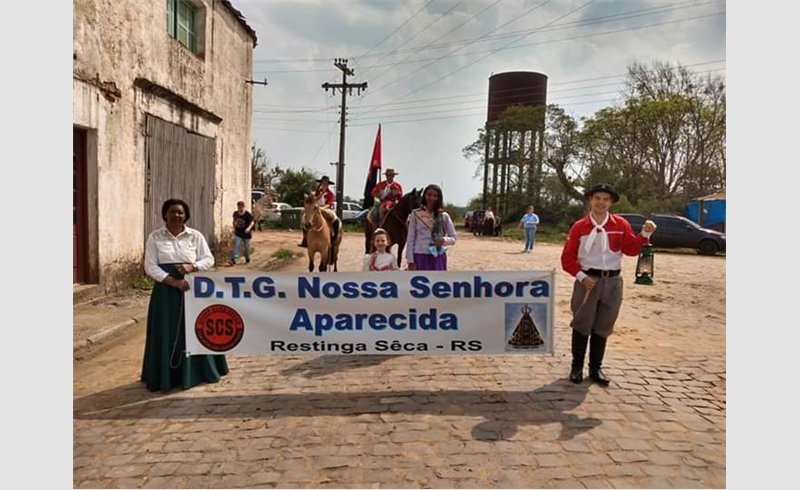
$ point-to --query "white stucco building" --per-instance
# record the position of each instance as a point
(161, 108)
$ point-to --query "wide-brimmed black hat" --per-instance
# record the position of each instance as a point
(325, 178)
(602, 188)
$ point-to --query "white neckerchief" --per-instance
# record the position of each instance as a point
(598, 228)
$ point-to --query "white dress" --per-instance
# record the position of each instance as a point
(380, 262)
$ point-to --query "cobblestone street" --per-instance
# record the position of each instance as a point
(428, 422)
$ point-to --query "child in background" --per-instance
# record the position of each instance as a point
(380, 259)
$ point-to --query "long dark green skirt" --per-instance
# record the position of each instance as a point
(165, 365)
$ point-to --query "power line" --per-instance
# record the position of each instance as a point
(490, 38)
(428, 46)
(472, 63)
(527, 92)
(270, 128)
(389, 53)
(568, 25)
(380, 117)
(310, 109)
(383, 117)
(535, 7)
(546, 42)
(391, 33)
(482, 113)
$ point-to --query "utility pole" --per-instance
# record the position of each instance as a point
(345, 88)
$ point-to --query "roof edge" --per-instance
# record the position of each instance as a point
(241, 19)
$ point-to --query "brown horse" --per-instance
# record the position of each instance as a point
(395, 223)
(319, 237)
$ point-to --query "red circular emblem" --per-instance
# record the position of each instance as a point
(219, 328)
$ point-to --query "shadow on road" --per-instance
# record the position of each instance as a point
(325, 365)
(503, 411)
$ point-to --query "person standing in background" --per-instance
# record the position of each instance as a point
(529, 223)
(243, 224)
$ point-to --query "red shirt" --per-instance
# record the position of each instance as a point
(604, 255)
(325, 197)
(380, 191)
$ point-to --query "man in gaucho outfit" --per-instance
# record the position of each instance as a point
(593, 254)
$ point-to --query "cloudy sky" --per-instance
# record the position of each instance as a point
(427, 64)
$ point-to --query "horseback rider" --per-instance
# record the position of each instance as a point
(388, 193)
(325, 200)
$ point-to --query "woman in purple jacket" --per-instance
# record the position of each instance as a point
(430, 233)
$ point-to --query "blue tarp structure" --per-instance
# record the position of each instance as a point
(713, 215)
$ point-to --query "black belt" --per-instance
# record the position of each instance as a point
(599, 273)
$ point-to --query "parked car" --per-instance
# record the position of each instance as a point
(476, 222)
(256, 195)
(358, 218)
(468, 219)
(350, 210)
(273, 212)
(676, 232)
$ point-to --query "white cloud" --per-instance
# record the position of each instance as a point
(430, 151)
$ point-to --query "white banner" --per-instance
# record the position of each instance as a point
(404, 312)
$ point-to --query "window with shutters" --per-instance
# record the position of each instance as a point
(185, 23)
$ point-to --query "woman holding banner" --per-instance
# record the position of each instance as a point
(430, 233)
(172, 252)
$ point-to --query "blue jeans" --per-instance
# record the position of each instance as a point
(237, 243)
(529, 234)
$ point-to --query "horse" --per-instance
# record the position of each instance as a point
(395, 223)
(319, 237)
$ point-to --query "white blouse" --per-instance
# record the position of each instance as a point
(383, 262)
(189, 247)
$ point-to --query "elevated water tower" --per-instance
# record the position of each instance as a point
(514, 155)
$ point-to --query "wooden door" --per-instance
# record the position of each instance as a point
(79, 211)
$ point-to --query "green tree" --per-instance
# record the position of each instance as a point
(666, 142)
(475, 203)
(456, 213)
(295, 184)
(262, 174)
(532, 166)
(663, 145)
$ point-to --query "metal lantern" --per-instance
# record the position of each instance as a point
(645, 266)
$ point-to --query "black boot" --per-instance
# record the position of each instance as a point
(579, 343)
(304, 244)
(596, 353)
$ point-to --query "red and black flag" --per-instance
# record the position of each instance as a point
(374, 172)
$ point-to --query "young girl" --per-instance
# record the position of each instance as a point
(380, 259)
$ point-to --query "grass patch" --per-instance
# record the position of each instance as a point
(545, 233)
(143, 283)
(269, 225)
(353, 228)
(282, 253)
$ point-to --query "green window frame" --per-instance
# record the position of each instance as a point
(182, 23)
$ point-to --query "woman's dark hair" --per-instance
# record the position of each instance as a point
(172, 202)
(439, 202)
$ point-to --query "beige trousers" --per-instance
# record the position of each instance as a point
(599, 313)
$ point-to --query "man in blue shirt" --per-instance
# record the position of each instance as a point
(529, 223)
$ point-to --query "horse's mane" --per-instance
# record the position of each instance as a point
(405, 200)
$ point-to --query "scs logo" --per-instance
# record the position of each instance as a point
(219, 328)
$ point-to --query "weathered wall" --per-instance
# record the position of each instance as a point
(116, 43)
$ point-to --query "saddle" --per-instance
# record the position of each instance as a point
(377, 216)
